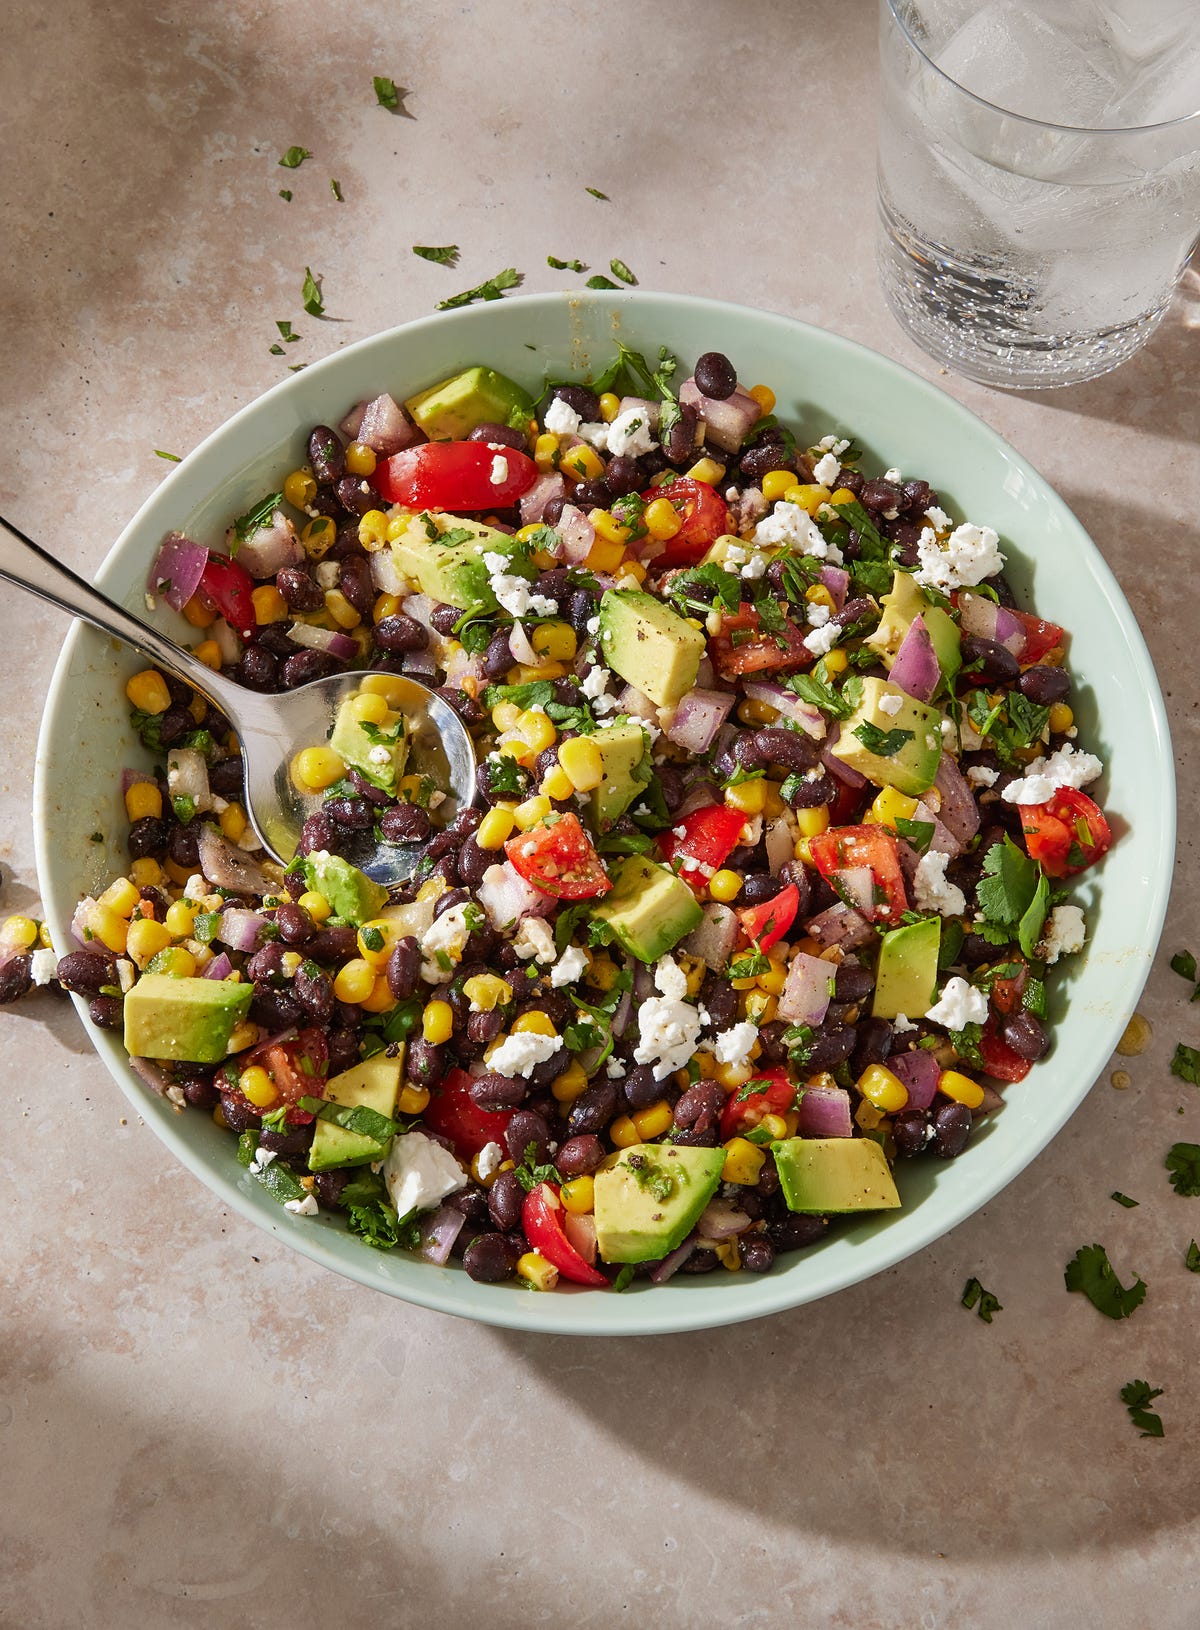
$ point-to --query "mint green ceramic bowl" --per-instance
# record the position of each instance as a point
(824, 384)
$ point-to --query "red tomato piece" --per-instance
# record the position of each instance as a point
(767, 923)
(742, 648)
(709, 837)
(298, 1068)
(229, 587)
(1040, 636)
(452, 1115)
(775, 1098)
(455, 475)
(704, 515)
(999, 1059)
(560, 860)
(1007, 993)
(1067, 833)
(841, 847)
(541, 1218)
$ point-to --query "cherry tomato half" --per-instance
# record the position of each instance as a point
(1067, 833)
(767, 923)
(229, 587)
(704, 515)
(709, 837)
(559, 860)
(541, 1218)
(1040, 637)
(999, 1059)
(451, 1113)
(467, 475)
(775, 1098)
(841, 847)
(742, 648)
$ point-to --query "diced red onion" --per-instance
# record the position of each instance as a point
(271, 548)
(857, 885)
(385, 427)
(580, 1229)
(958, 812)
(720, 1220)
(187, 776)
(507, 897)
(943, 840)
(698, 718)
(532, 504)
(176, 573)
(698, 796)
(810, 719)
(153, 1074)
(348, 426)
(637, 704)
(780, 843)
(727, 422)
(241, 929)
(991, 1099)
(438, 1233)
(331, 640)
(420, 607)
(577, 534)
(837, 768)
(837, 582)
(706, 677)
(989, 621)
(920, 1073)
(1010, 631)
(227, 642)
(915, 666)
(714, 940)
(229, 867)
(806, 993)
(623, 1014)
(133, 778)
(518, 644)
(79, 923)
(824, 1113)
(219, 968)
(840, 926)
(462, 665)
(385, 574)
(650, 411)
(673, 1261)
(421, 666)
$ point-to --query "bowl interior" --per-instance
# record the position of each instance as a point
(824, 384)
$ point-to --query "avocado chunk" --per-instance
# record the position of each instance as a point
(906, 975)
(901, 607)
(451, 410)
(444, 556)
(649, 909)
(828, 1175)
(351, 893)
(651, 1198)
(376, 751)
(627, 771)
(650, 645)
(373, 1084)
(912, 766)
(190, 1019)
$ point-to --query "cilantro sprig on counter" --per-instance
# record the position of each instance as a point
(1136, 1395)
(1185, 1064)
(445, 254)
(310, 295)
(492, 289)
(1090, 1272)
(983, 1301)
(294, 158)
(1183, 1163)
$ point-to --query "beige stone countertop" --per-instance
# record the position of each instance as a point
(200, 1428)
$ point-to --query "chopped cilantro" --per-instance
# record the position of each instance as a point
(883, 743)
(183, 807)
(799, 1039)
(335, 188)
(275, 350)
(1191, 1259)
(619, 269)
(445, 254)
(1135, 1395)
(1090, 1272)
(599, 281)
(286, 332)
(254, 519)
(918, 833)
(371, 938)
(1014, 896)
(596, 193)
(286, 194)
(1183, 1162)
(310, 295)
(726, 586)
(966, 1044)
(983, 1301)
(624, 1275)
(388, 94)
(872, 543)
(1185, 1064)
(1122, 1199)
(493, 289)
(504, 774)
(819, 694)
(171, 458)
(534, 693)
(557, 265)
(294, 158)
(749, 966)
(530, 1173)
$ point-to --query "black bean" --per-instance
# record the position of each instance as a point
(293, 1140)
(473, 862)
(497, 658)
(719, 1000)
(851, 981)
(148, 837)
(758, 461)
(1024, 1033)
(757, 888)
(770, 1040)
(405, 823)
(526, 1127)
(757, 1252)
(579, 1155)
(518, 782)
(910, 1130)
(313, 989)
(692, 1137)
(198, 1087)
(403, 967)
(639, 1089)
(445, 618)
(276, 639)
(506, 1197)
(472, 1202)
(424, 1062)
(951, 1129)
(225, 776)
(593, 1109)
(775, 745)
(355, 494)
(467, 708)
(715, 376)
(554, 506)
(332, 945)
(328, 1186)
(497, 435)
(343, 1050)
(680, 440)
(273, 1009)
(700, 1106)
(85, 971)
(592, 495)
(354, 580)
(257, 669)
(483, 1028)
(1044, 685)
(491, 1258)
(584, 402)
(305, 666)
(988, 658)
(624, 475)
(353, 814)
(768, 1180)
(367, 789)
(702, 1260)
(326, 456)
(294, 924)
(183, 846)
(874, 1043)
(16, 980)
(918, 495)
(794, 1231)
(880, 495)
(174, 723)
(976, 952)
(239, 1115)
(497, 1092)
(830, 1048)
(400, 633)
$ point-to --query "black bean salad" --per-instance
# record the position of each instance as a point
(778, 794)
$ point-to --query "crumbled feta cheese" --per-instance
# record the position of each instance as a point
(891, 475)
(735, 556)
(489, 1161)
(980, 775)
(959, 1005)
(519, 1054)
(902, 1024)
(938, 518)
(569, 967)
(535, 939)
(499, 471)
(816, 615)
(596, 435)
(668, 1025)
(1064, 934)
(444, 941)
(595, 682)
(43, 965)
(826, 470)
(891, 704)
(968, 555)
(931, 889)
(1043, 778)
(754, 568)
(822, 640)
(733, 1046)
(327, 574)
(419, 1173)
(790, 525)
(615, 1070)
(561, 419)
(196, 887)
(593, 626)
(379, 755)
(261, 1159)
(126, 975)
(629, 434)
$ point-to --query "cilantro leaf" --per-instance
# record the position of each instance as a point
(619, 269)
(564, 265)
(286, 194)
(492, 289)
(726, 586)
(335, 188)
(983, 1301)
(256, 518)
(918, 833)
(443, 255)
(388, 94)
(817, 693)
(1014, 894)
(1183, 1162)
(883, 743)
(873, 545)
(1185, 1064)
(171, 458)
(596, 193)
(1184, 963)
(1135, 1395)
(1122, 1199)
(294, 158)
(1090, 1272)
(1191, 1260)
(624, 1275)
(310, 295)
(534, 693)
(530, 1173)
(599, 281)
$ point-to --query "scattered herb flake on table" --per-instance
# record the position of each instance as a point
(983, 1301)
(493, 289)
(601, 282)
(171, 458)
(1090, 1271)
(619, 269)
(596, 193)
(1191, 1258)
(564, 265)
(310, 294)
(335, 188)
(286, 332)
(1184, 964)
(388, 94)
(1135, 1395)
(1122, 1199)
(445, 254)
(286, 194)
(1186, 1064)
(1183, 1163)
(294, 157)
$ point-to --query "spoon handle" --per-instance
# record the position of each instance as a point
(29, 567)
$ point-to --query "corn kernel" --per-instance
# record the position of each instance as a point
(773, 804)
(300, 488)
(372, 530)
(518, 750)
(538, 730)
(257, 1086)
(532, 812)
(354, 981)
(582, 463)
(843, 495)
(610, 406)
(806, 495)
(340, 609)
(526, 534)
(380, 998)
(836, 661)
(1061, 718)
(412, 1100)
(146, 873)
(775, 1126)
(603, 972)
(772, 981)
(812, 822)
(743, 1162)
(654, 1121)
(579, 1195)
(120, 896)
(315, 768)
(505, 715)
(758, 1007)
(536, 1271)
(748, 797)
(360, 459)
(554, 639)
(752, 711)
(148, 692)
(727, 1254)
(731, 1075)
(694, 970)
(607, 526)
(233, 823)
(242, 1035)
(724, 885)
(707, 470)
(777, 483)
(370, 708)
(883, 1089)
(143, 799)
(181, 918)
(437, 1022)
(868, 1115)
(175, 960)
(961, 1088)
(890, 806)
(604, 556)
(623, 1132)
(387, 605)
(487, 991)
(567, 1086)
(495, 827)
(581, 758)
(818, 595)
(199, 613)
(556, 783)
(764, 396)
(545, 453)
(661, 520)
(209, 653)
(19, 933)
(536, 1023)
(145, 938)
(290, 964)
(319, 536)
(316, 905)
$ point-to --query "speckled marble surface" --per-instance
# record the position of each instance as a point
(198, 1428)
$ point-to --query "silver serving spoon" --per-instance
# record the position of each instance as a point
(273, 728)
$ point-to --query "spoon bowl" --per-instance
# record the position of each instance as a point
(273, 727)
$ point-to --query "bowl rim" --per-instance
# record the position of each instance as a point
(567, 1313)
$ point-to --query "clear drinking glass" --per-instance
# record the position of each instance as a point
(1039, 178)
